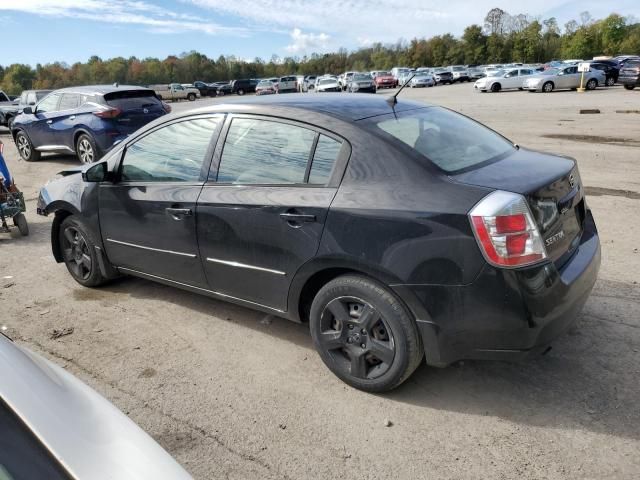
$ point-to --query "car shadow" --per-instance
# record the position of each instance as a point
(588, 381)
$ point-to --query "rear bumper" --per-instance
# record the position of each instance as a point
(629, 80)
(505, 314)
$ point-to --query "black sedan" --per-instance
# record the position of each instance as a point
(398, 231)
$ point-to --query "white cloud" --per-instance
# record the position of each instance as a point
(307, 42)
(133, 12)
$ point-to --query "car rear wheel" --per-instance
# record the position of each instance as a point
(547, 87)
(592, 84)
(610, 82)
(629, 87)
(191, 97)
(78, 244)
(86, 149)
(20, 221)
(363, 334)
(240, 91)
(496, 87)
(25, 148)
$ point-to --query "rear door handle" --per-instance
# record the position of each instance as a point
(72, 117)
(297, 217)
(49, 122)
(178, 213)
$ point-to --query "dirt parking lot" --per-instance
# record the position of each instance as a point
(232, 393)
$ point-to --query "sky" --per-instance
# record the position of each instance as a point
(45, 31)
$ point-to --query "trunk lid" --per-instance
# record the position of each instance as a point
(552, 188)
(138, 107)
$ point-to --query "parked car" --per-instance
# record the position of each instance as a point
(327, 84)
(398, 230)
(361, 83)
(265, 87)
(442, 76)
(6, 99)
(460, 73)
(566, 78)
(385, 80)
(476, 73)
(85, 121)
(422, 80)
(223, 88)
(397, 72)
(610, 69)
(205, 89)
(27, 98)
(503, 80)
(344, 79)
(175, 91)
(630, 74)
(55, 427)
(404, 77)
(309, 83)
(288, 83)
(245, 85)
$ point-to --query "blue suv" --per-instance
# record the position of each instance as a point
(85, 121)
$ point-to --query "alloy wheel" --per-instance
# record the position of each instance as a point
(357, 338)
(611, 82)
(76, 253)
(24, 147)
(85, 151)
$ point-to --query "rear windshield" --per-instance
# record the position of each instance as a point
(131, 99)
(450, 140)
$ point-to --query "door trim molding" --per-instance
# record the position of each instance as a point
(160, 250)
(244, 265)
(222, 296)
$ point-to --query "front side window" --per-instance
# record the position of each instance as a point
(174, 153)
(265, 152)
(49, 103)
(450, 140)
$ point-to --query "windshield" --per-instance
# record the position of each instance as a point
(550, 71)
(265, 83)
(361, 77)
(458, 69)
(326, 81)
(450, 140)
(497, 73)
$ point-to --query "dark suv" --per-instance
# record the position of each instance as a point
(610, 69)
(248, 85)
(399, 231)
(630, 75)
(85, 121)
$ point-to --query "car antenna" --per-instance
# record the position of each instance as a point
(392, 100)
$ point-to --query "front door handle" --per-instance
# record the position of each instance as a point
(49, 122)
(295, 219)
(178, 213)
(72, 117)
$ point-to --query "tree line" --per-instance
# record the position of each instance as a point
(502, 38)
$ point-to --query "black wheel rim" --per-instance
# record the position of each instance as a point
(357, 338)
(76, 253)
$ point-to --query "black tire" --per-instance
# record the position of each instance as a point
(20, 221)
(9, 122)
(191, 97)
(220, 93)
(547, 87)
(629, 87)
(86, 149)
(25, 148)
(610, 82)
(240, 91)
(356, 323)
(77, 243)
(592, 84)
(495, 88)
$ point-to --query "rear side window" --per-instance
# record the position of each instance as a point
(450, 140)
(132, 99)
(174, 153)
(327, 151)
(265, 152)
(69, 101)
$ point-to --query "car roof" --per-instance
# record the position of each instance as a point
(99, 89)
(346, 107)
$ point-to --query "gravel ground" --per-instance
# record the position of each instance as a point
(232, 393)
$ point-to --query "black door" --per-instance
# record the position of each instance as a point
(261, 218)
(148, 217)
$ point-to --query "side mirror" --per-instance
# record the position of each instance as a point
(27, 110)
(96, 173)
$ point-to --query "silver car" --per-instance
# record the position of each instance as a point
(422, 80)
(54, 427)
(564, 78)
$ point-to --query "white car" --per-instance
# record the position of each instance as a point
(327, 84)
(503, 80)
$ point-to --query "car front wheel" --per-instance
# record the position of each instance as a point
(592, 84)
(78, 244)
(364, 334)
(25, 148)
(547, 87)
(191, 97)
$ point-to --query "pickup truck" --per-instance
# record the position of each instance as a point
(28, 98)
(175, 91)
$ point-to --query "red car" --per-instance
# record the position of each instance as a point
(385, 80)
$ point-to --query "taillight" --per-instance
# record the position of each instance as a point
(506, 233)
(108, 113)
(166, 107)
